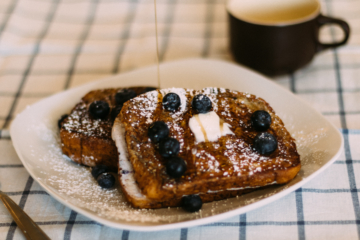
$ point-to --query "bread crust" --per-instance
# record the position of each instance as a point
(219, 167)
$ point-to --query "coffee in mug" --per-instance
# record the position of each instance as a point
(278, 36)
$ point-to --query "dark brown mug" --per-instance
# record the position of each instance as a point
(279, 36)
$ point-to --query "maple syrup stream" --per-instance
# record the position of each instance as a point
(157, 46)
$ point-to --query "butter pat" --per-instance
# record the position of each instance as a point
(208, 127)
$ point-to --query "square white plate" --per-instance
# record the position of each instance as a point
(34, 133)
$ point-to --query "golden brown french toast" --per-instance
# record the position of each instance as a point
(87, 139)
(218, 166)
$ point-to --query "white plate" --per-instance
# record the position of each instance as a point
(35, 136)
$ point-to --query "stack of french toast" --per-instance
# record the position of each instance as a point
(179, 147)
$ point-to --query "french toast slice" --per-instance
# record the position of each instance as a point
(86, 140)
(217, 169)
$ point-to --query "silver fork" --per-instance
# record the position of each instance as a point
(30, 229)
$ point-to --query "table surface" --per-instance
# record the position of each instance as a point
(47, 46)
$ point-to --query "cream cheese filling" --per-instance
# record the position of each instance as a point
(127, 176)
(208, 127)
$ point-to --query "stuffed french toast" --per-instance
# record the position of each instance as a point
(184, 147)
(85, 133)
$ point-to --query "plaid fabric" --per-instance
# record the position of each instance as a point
(47, 46)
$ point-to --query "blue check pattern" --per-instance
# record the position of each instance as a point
(47, 46)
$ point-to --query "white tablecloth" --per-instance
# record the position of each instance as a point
(47, 46)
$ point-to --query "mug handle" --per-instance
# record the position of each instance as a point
(323, 20)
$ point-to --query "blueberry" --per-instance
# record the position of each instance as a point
(261, 120)
(169, 147)
(201, 103)
(148, 89)
(106, 180)
(175, 167)
(99, 109)
(99, 169)
(171, 102)
(124, 95)
(158, 131)
(265, 143)
(62, 118)
(191, 203)
(115, 111)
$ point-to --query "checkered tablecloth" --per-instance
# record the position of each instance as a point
(47, 46)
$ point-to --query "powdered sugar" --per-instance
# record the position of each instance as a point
(77, 122)
(150, 102)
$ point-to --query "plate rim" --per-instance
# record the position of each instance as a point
(187, 223)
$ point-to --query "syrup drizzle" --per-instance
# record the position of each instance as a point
(157, 46)
(221, 125)
(202, 128)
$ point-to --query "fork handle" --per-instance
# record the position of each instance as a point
(30, 229)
